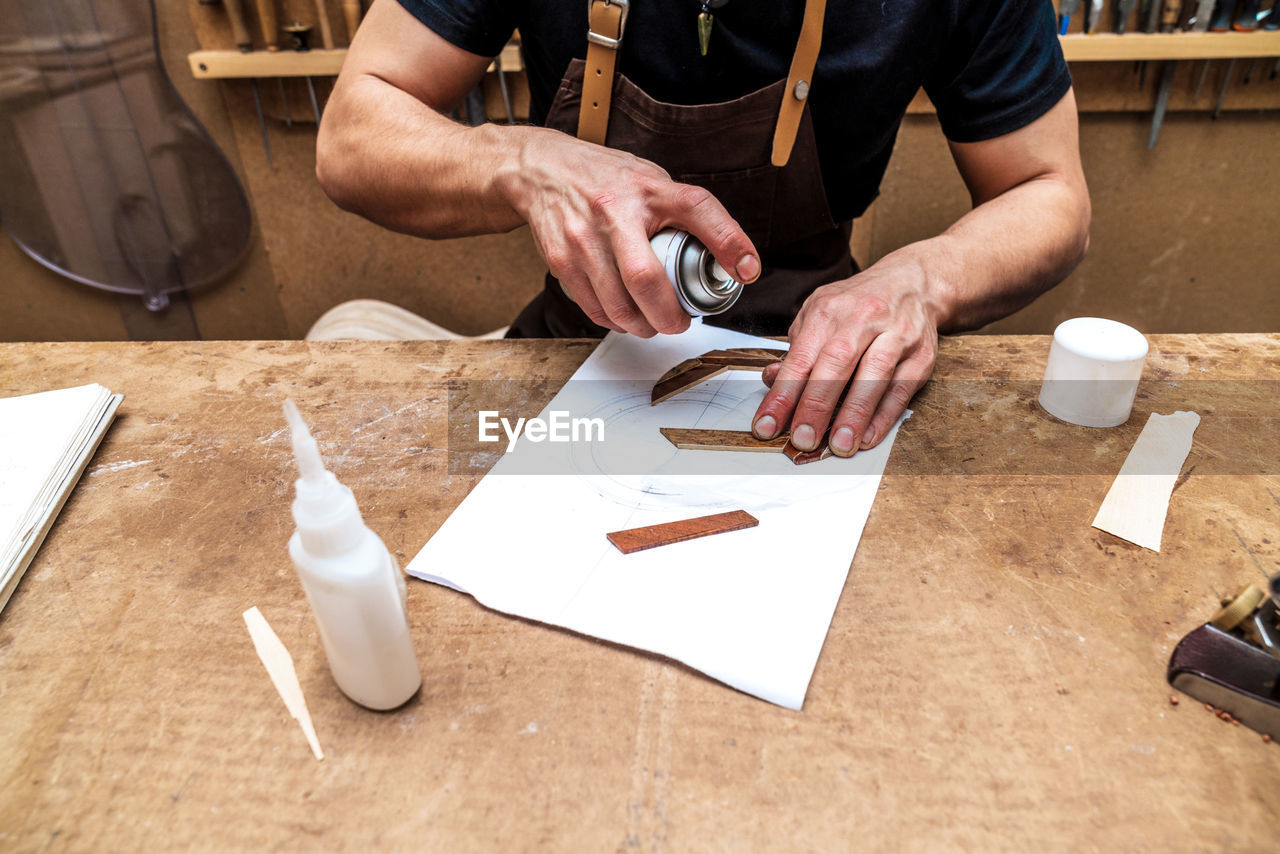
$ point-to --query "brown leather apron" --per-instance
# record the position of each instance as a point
(728, 148)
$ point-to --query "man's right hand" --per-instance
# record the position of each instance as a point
(388, 151)
(592, 211)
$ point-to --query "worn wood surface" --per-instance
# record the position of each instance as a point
(993, 678)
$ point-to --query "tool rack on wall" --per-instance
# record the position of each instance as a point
(1134, 47)
(1097, 92)
(232, 64)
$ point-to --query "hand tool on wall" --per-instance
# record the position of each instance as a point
(301, 37)
(1149, 19)
(1216, 17)
(1093, 17)
(326, 39)
(271, 38)
(1150, 15)
(1065, 10)
(1247, 20)
(1221, 20)
(1203, 14)
(244, 41)
(1162, 101)
(326, 31)
(1226, 81)
(1124, 11)
(239, 27)
(267, 20)
(1168, 23)
(351, 12)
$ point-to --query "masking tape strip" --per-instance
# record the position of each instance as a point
(279, 666)
(1138, 501)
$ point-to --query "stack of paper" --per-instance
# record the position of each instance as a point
(749, 608)
(46, 441)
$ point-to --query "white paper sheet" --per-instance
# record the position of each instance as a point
(46, 440)
(749, 608)
(1138, 501)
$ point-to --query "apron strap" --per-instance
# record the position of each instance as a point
(606, 21)
(797, 91)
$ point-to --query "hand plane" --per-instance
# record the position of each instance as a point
(1232, 662)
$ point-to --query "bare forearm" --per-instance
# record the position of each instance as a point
(385, 155)
(1003, 253)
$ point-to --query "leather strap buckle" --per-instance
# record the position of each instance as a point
(603, 40)
(606, 21)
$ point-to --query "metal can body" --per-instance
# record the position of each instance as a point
(702, 286)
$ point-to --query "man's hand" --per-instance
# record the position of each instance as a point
(1029, 227)
(388, 151)
(880, 329)
(592, 211)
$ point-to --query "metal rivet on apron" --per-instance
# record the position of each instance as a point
(802, 90)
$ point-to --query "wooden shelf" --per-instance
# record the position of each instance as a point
(1103, 47)
(219, 64)
(1108, 47)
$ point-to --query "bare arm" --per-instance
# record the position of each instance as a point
(1028, 229)
(388, 151)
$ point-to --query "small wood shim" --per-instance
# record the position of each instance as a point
(652, 536)
(690, 372)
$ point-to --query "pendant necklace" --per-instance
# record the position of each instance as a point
(705, 19)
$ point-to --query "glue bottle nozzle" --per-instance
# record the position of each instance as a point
(306, 452)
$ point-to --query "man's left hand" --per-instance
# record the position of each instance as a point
(878, 328)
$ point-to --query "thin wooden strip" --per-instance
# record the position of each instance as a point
(676, 384)
(745, 358)
(279, 666)
(720, 440)
(686, 365)
(652, 536)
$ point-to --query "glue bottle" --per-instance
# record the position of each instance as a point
(354, 585)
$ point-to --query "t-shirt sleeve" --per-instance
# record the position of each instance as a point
(1002, 69)
(481, 27)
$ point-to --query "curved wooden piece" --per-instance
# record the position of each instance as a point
(690, 372)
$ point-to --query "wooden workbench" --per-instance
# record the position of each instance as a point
(993, 677)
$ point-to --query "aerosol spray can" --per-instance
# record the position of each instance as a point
(702, 285)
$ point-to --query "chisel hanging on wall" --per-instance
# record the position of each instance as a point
(1124, 10)
(1162, 101)
(1203, 15)
(1168, 23)
(244, 41)
(271, 38)
(1093, 16)
(1065, 10)
(301, 35)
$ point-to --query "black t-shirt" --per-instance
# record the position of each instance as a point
(989, 66)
